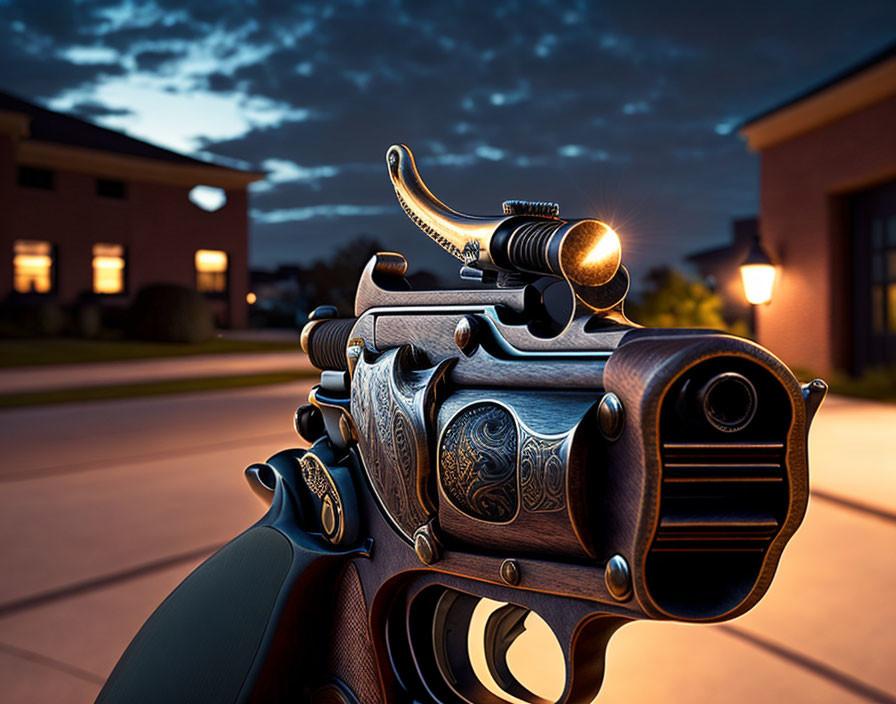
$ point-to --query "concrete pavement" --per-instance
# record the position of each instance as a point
(139, 371)
(105, 507)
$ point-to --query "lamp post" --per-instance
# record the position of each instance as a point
(758, 274)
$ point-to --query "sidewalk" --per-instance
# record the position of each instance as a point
(74, 376)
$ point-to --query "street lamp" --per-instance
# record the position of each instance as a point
(758, 274)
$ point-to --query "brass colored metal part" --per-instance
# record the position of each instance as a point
(510, 572)
(451, 230)
(318, 480)
(426, 545)
(353, 353)
(611, 416)
(328, 516)
(618, 578)
(306, 334)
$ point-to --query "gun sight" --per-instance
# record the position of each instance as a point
(528, 240)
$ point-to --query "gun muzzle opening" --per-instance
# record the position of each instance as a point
(591, 253)
(728, 401)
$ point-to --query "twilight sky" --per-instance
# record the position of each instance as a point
(617, 110)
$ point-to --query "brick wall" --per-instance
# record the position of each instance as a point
(160, 228)
(804, 187)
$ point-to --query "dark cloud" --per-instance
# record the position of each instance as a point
(621, 109)
(91, 110)
(153, 60)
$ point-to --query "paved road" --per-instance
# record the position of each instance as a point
(138, 371)
(105, 507)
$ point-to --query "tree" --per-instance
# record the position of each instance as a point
(674, 300)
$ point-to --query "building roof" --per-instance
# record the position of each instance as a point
(78, 137)
(859, 85)
(743, 230)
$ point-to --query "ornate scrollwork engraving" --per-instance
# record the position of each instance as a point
(477, 462)
(314, 475)
(389, 407)
(542, 474)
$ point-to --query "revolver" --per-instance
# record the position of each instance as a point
(488, 466)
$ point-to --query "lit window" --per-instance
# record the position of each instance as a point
(32, 264)
(211, 270)
(108, 268)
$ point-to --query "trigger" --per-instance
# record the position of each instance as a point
(502, 629)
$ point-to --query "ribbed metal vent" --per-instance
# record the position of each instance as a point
(720, 497)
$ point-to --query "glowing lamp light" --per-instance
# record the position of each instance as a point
(758, 275)
(251, 298)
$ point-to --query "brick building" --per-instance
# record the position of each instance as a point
(828, 219)
(720, 267)
(86, 210)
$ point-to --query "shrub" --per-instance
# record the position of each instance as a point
(40, 319)
(170, 313)
(673, 300)
(88, 320)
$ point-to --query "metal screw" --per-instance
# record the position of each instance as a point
(618, 578)
(465, 334)
(611, 416)
(510, 572)
(426, 546)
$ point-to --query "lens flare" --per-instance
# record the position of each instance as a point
(608, 246)
(591, 253)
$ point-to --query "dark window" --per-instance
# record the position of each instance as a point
(32, 177)
(111, 188)
(874, 275)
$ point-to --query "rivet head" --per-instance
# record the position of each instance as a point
(618, 578)
(510, 572)
(328, 516)
(611, 416)
(426, 546)
(466, 334)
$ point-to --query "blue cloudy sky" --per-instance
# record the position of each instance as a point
(619, 110)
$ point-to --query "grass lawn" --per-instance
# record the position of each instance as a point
(174, 386)
(63, 350)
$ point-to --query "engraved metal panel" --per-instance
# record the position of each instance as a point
(390, 403)
(478, 462)
(543, 474)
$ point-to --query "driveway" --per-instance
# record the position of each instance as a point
(105, 507)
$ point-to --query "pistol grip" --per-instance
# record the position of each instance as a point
(246, 625)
